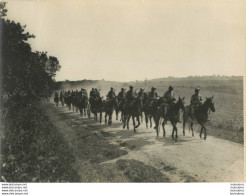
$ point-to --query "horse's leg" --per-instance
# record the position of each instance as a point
(156, 126)
(184, 121)
(133, 120)
(116, 112)
(141, 116)
(176, 129)
(173, 133)
(201, 131)
(163, 128)
(128, 118)
(88, 112)
(123, 116)
(146, 120)
(191, 126)
(124, 122)
(138, 119)
(205, 131)
(106, 117)
(110, 119)
(173, 130)
(150, 121)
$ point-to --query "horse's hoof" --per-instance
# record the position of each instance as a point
(192, 134)
(204, 138)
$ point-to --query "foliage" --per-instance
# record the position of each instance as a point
(24, 72)
(32, 150)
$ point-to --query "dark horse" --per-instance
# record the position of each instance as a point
(171, 115)
(150, 107)
(200, 115)
(96, 105)
(134, 110)
(108, 107)
(120, 108)
(83, 105)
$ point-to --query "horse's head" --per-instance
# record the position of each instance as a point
(180, 103)
(210, 103)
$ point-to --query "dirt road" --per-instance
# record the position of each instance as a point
(110, 154)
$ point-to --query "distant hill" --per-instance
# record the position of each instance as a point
(224, 84)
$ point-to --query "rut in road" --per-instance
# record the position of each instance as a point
(110, 154)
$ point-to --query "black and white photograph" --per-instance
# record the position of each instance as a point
(122, 91)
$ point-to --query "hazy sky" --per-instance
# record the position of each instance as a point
(135, 39)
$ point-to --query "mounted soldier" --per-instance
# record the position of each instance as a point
(168, 99)
(152, 94)
(121, 94)
(111, 94)
(62, 97)
(196, 100)
(141, 93)
(92, 93)
(97, 93)
(130, 95)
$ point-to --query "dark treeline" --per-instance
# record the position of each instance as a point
(30, 145)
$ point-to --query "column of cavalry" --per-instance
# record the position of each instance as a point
(133, 104)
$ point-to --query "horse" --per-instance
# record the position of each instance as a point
(200, 115)
(96, 105)
(83, 104)
(144, 100)
(171, 115)
(134, 110)
(62, 99)
(108, 107)
(150, 108)
(120, 108)
(67, 100)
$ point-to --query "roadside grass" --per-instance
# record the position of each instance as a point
(32, 150)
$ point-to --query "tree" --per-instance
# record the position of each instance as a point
(23, 72)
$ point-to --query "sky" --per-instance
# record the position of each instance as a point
(126, 40)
